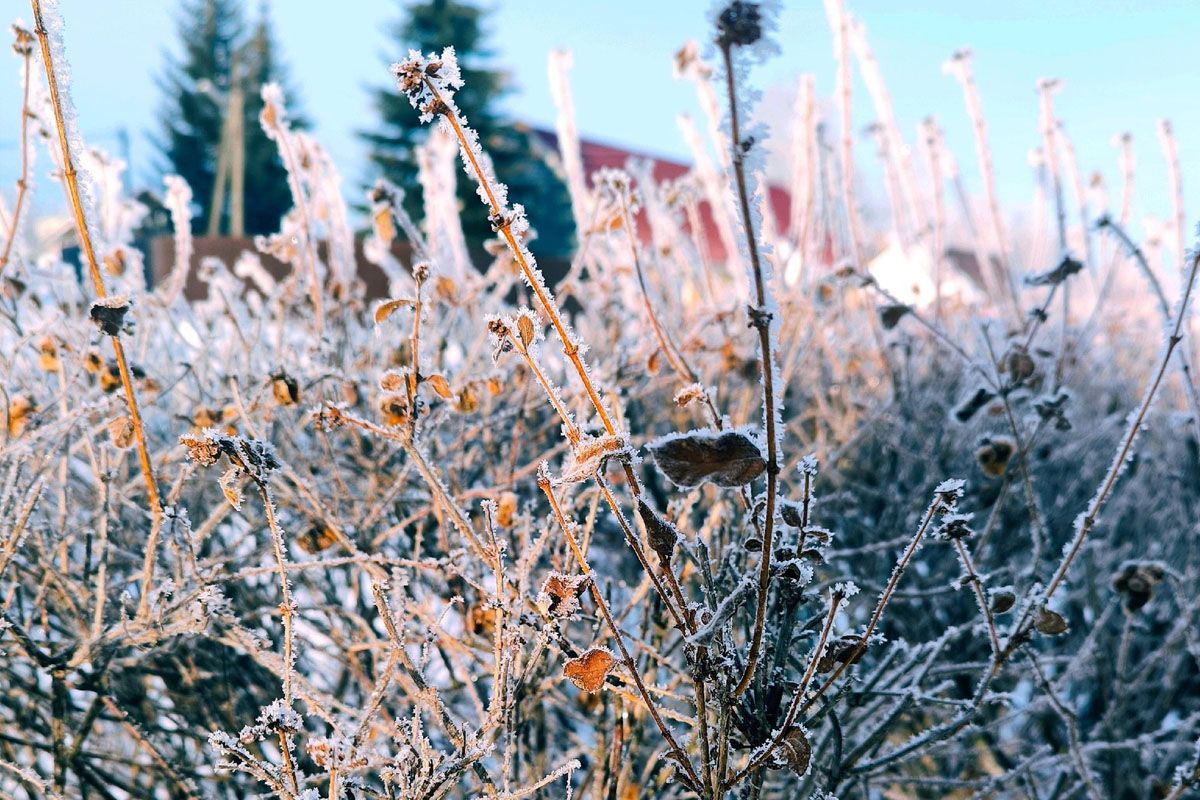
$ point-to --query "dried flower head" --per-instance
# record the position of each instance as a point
(993, 454)
(1135, 581)
(739, 23)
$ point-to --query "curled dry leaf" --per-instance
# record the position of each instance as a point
(890, 315)
(661, 534)
(727, 459)
(468, 401)
(972, 404)
(843, 650)
(587, 456)
(560, 594)
(285, 388)
(231, 486)
(482, 619)
(794, 751)
(120, 430)
(20, 409)
(589, 670)
(388, 307)
(1003, 600)
(440, 385)
(1065, 269)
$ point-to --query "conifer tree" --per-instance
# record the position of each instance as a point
(429, 26)
(219, 48)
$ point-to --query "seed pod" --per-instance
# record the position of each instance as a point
(1019, 365)
(1003, 600)
(1050, 622)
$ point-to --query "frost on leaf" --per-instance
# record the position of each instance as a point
(560, 594)
(589, 670)
(727, 459)
(794, 751)
(109, 314)
(588, 456)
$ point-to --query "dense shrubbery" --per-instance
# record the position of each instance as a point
(285, 542)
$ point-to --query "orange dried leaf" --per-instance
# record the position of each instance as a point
(440, 385)
(388, 307)
(589, 670)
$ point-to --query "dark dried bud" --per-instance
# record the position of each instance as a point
(993, 455)
(1019, 365)
(740, 23)
(1050, 623)
(1136, 581)
(890, 315)
(971, 406)
(1003, 600)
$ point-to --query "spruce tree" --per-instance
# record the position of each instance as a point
(429, 26)
(216, 43)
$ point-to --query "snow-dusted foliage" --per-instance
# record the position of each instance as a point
(736, 521)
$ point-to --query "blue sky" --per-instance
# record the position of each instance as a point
(1124, 65)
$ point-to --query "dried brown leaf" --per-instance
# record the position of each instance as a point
(589, 670)
(726, 459)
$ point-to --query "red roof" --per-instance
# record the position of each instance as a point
(597, 156)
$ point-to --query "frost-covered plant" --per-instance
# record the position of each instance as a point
(463, 542)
